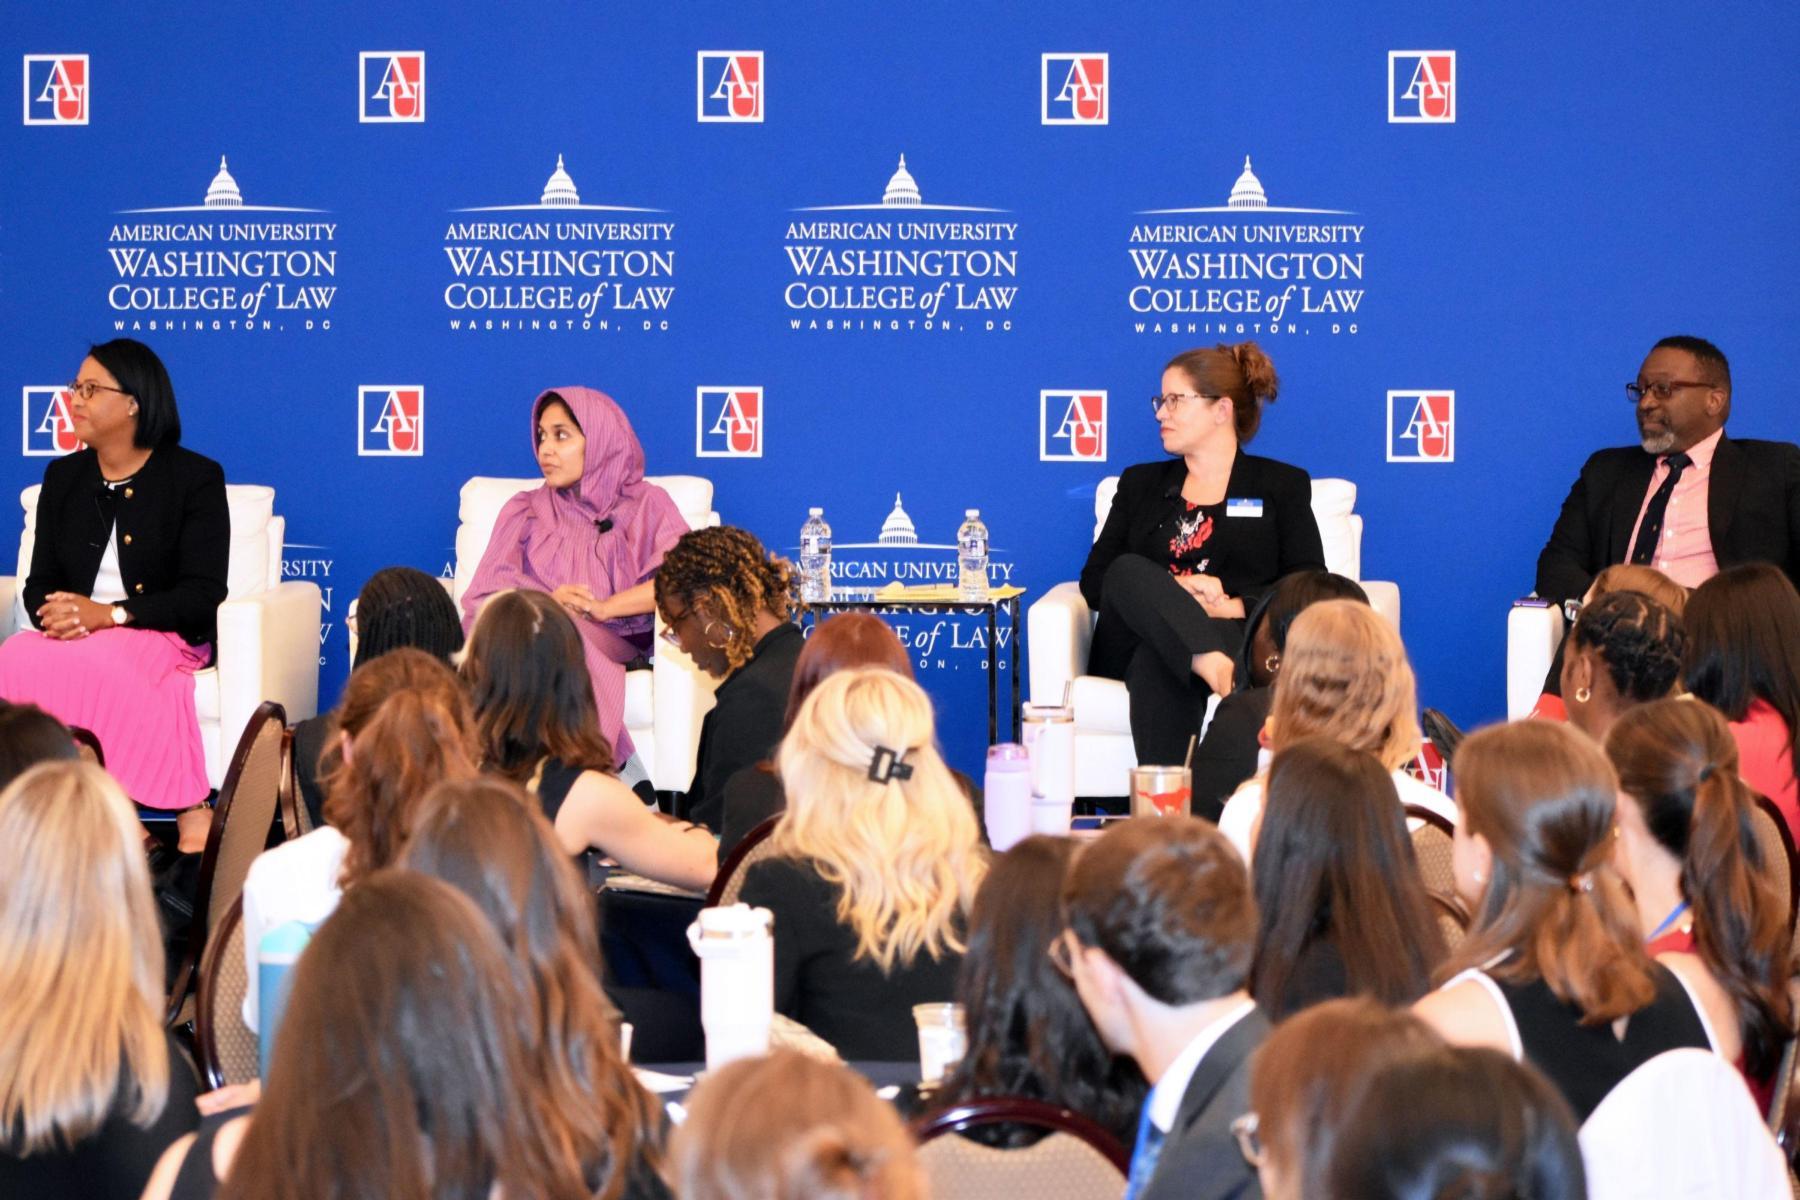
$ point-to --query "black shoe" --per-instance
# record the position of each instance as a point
(1443, 733)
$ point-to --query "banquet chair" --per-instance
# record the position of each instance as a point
(227, 1047)
(746, 854)
(243, 817)
(663, 705)
(1432, 839)
(268, 647)
(1452, 919)
(88, 745)
(1777, 846)
(296, 818)
(1060, 630)
(1075, 1160)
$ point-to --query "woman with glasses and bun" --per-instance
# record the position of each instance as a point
(127, 574)
(1191, 545)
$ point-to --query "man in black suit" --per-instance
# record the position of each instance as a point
(1688, 499)
(1160, 929)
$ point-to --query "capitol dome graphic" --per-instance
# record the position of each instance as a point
(898, 529)
(1247, 198)
(1248, 191)
(902, 191)
(223, 192)
(559, 191)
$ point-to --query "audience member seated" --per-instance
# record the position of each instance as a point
(399, 606)
(1192, 543)
(852, 639)
(1706, 903)
(485, 838)
(1625, 650)
(1161, 927)
(1341, 907)
(1227, 753)
(1743, 658)
(29, 736)
(727, 603)
(1553, 971)
(1620, 577)
(1306, 1083)
(592, 537)
(1028, 1034)
(92, 1088)
(401, 1069)
(1344, 675)
(875, 865)
(126, 577)
(534, 707)
(403, 725)
(790, 1127)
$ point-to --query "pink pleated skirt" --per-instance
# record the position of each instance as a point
(134, 689)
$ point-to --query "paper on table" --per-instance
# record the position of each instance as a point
(941, 593)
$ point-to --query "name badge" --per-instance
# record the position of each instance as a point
(1243, 508)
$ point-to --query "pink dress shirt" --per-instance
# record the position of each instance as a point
(1684, 552)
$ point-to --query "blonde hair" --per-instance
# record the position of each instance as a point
(1344, 675)
(791, 1127)
(906, 853)
(80, 961)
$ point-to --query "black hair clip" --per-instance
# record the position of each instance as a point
(886, 766)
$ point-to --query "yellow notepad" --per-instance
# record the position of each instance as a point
(940, 593)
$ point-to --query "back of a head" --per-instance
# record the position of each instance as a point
(1298, 591)
(1541, 794)
(1345, 674)
(729, 569)
(1638, 638)
(851, 639)
(28, 736)
(1460, 1122)
(1334, 861)
(403, 606)
(80, 959)
(1238, 370)
(141, 375)
(1743, 642)
(1169, 902)
(1307, 1076)
(790, 1127)
(872, 803)
(362, 1097)
(1634, 577)
(529, 684)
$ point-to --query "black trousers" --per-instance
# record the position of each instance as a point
(1149, 631)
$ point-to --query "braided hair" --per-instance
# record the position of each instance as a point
(403, 606)
(1639, 640)
(730, 571)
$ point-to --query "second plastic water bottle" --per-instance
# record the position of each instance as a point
(972, 557)
(815, 558)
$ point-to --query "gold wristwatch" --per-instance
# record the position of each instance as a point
(120, 614)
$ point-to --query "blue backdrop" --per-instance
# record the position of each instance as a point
(1613, 173)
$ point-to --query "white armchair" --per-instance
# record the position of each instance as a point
(664, 705)
(1060, 629)
(268, 646)
(1534, 629)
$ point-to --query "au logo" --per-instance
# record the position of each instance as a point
(1421, 87)
(1072, 426)
(56, 89)
(730, 86)
(390, 420)
(1076, 89)
(728, 422)
(1421, 426)
(392, 86)
(49, 429)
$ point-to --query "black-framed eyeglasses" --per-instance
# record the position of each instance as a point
(1249, 1140)
(1662, 389)
(1172, 401)
(85, 388)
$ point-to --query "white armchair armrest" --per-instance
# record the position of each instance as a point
(9, 619)
(1532, 635)
(269, 650)
(1060, 629)
(682, 695)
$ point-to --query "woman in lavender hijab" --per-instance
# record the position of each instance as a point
(592, 536)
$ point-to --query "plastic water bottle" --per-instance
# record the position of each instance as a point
(815, 558)
(736, 948)
(276, 954)
(1006, 796)
(972, 557)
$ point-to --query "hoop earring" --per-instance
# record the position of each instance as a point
(1272, 663)
(1582, 695)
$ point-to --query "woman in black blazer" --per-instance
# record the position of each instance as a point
(1191, 545)
(127, 574)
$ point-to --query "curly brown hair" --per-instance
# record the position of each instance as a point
(730, 571)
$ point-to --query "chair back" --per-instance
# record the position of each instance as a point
(1452, 920)
(88, 745)
(752, 850)
(1075, 1160)
(1340, 528)
(1777, 845)
(227, 1047)
(1433, 839)
(296, 818)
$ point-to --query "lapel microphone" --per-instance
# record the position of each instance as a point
(603, 526)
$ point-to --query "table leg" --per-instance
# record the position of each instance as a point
(993, 671)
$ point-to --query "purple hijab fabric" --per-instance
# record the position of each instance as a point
(546, 537)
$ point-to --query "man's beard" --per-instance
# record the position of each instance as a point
(1657, 443)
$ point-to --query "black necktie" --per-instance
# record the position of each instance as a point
(1650, 531)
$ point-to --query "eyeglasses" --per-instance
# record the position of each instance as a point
(667, 632)
(85, 388)
(1061, 957)
(1249, 1141)
(1172, 401)
(1662, 389)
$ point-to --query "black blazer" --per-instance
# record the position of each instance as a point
(1752, 505)
(1251, 553)
(744, 725)
(1200, 1160)
(174, 534)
